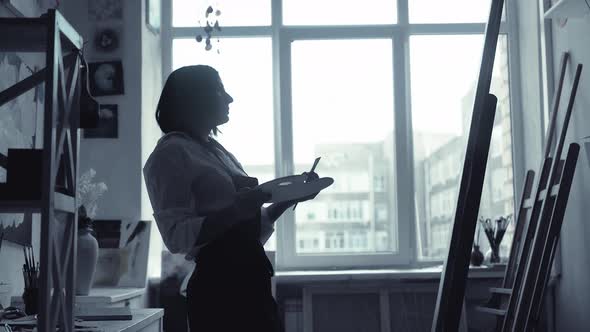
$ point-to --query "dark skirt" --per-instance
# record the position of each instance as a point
(223, 301)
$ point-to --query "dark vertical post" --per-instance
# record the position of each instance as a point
(451, 290)
(454, 277)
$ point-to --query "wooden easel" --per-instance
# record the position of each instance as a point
(518, 302)
(524, 232)
(526, 298)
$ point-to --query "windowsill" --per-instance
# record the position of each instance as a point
(429, 273)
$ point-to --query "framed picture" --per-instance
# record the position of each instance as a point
(107, 39)
(106, 78)
(152, 16)
(107, 123)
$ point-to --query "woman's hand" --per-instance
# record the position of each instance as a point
(245, 207)
(309, 177)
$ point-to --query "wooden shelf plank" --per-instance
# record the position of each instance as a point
(493, 311)
(63, 203)
(23, 34)
(498, 290)
(568, 9)
(30, 34)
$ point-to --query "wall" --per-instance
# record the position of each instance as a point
(573, 289)
(151, 85)
(117, 161)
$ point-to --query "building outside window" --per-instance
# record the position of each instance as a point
(383, 94)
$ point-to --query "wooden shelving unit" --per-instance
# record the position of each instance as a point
(568, 9)
(53, 35)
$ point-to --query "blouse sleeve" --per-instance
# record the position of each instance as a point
(266, 226)
(168, 185)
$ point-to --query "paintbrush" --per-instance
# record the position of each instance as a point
(315, 163)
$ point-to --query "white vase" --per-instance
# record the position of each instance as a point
(86, 260)
(5, 292)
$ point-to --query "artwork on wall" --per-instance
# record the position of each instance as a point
(19, 229)
(106, 78)
(107, 39)
(152, 16)
(101, 10)
(108, 123)
(125, 265)
(18, 128)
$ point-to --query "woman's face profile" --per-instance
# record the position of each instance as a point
(221, 102)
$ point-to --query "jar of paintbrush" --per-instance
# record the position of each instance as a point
(494, 231)
(31, 277)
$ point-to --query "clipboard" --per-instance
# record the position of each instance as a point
(293, 187)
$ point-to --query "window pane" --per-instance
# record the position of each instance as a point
(443, 89)
(343, 112)
(338, 12)
(187, 13)
(449, 11)
(245, 67)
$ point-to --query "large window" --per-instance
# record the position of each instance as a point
(382, 91)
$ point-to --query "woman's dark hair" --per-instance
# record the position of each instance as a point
(188, 91)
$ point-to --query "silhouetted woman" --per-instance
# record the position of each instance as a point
(203, 206)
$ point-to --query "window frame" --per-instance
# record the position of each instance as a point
(399, 33)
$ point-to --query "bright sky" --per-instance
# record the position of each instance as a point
(342, 90)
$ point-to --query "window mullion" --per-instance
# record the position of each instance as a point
(402, 12)
(283, 128)
(167, 38)
(403, 147)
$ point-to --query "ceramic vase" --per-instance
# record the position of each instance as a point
(476, 256)
(86, 260)
(492, 256)
(31, 300)
(5, 292)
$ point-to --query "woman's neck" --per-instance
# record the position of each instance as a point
(200, 135)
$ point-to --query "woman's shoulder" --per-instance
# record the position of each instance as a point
(175, 142)
(173, 146)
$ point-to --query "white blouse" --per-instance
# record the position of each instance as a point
(184, 181)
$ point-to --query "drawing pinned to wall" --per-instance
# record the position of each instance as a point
(125, 266)
(16, 129)
(100, 10)
(17, 228)
(106, 78)
(108, 123)
(107, 39)
(18, 125)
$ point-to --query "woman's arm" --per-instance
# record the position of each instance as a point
(245, 207)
